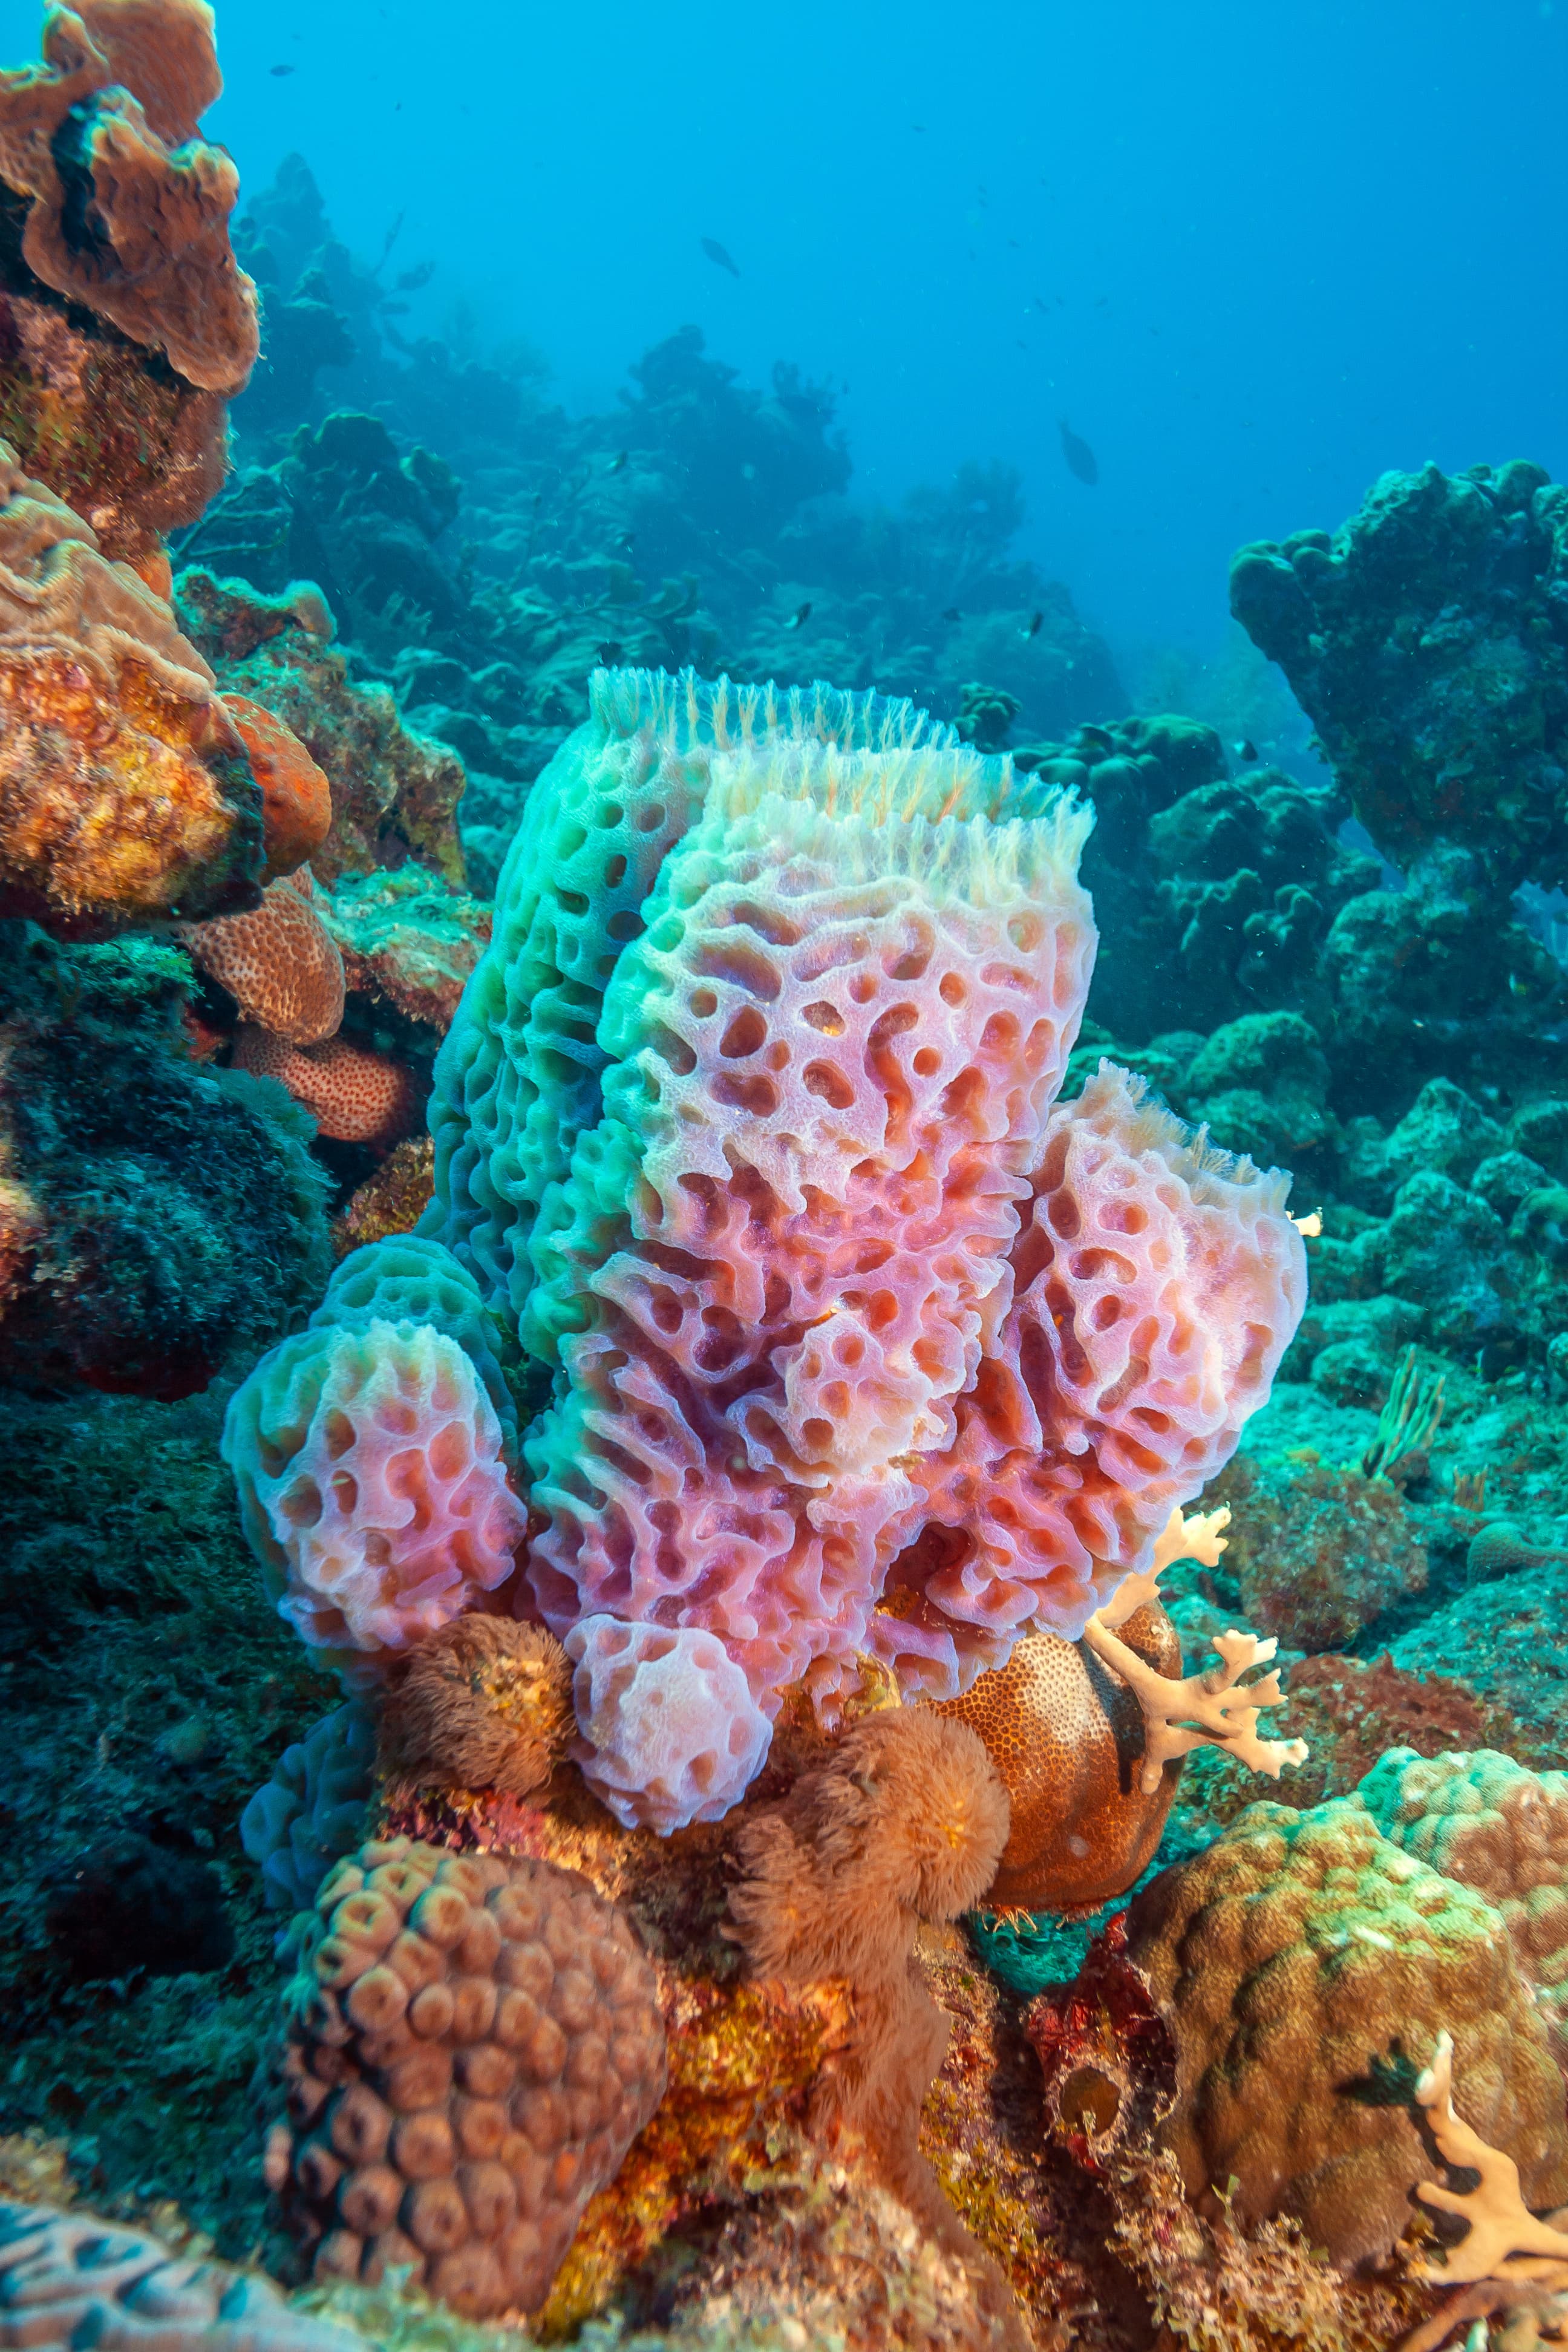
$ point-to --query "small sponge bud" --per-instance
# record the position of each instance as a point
(672, 1731)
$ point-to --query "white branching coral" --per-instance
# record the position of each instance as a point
(1505, 2239)
(1214, 1709)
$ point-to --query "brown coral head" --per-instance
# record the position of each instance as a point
(1106, 2054)
(473, 2045)
(296, 798)
(905, 1822)
(485, 1704)
(102, 137)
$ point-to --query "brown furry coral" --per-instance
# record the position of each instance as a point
(484, 1703)
(112, 114)
(904, 1824)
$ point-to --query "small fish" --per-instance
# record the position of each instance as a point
(1246, 751)
(625, 540)
(1080, 458)
(279, 71)
(610, 653)
(953, 613)
(618, 461)
(802, 613)
(1032, 626)
(410, 281)
(716, 253)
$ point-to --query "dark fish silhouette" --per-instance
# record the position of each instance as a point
(1080, 456)
(716, 253)
(281, 70)
(953, 613)
(410, 281)
(610, 653)
(618, 461)
(626, 540)
(1032, 626)
(1245, 750)
(802, 613)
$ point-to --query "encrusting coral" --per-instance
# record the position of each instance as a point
(109, 122)
(354, 1094)
(278, 962)
(744, 1125)
(126, 793)
(473, 2046)
(484, 1703)
(903, 1824)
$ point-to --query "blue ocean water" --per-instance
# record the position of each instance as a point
(1255, 256)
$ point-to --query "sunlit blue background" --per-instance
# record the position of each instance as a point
(1254, 254)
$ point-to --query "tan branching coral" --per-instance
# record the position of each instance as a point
(903, 1824)
(126, 793)
(1505, 2240)
(278, 963)
(485, 1704)
(473, 2045)
(129, 206)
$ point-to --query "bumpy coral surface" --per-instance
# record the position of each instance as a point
(1060, 1729)
(1305, 1965)
(1490, 1823)
(354, 1095)
(409, 937)
(110, 119)
(473, 2045)
(126, 793)
(68, 2279)
(372, 1485)
(1318, 1553)
(278, 963)
(312, 1810)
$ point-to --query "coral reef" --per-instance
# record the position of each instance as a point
(1351, 1545)
(126, 792)
(278, 962)
(353, 1095)
(473, 2045)
(1305, 1967)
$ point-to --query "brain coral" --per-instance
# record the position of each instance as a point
(278, 963)
(473, 2045)
(1306, 1968)
(72, 2279)
(1492, 1824)
(743, 1128)
(129, 206)
(126, 793)
(311, 1812)
(372, 1485)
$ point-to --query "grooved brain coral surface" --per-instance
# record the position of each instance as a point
(1495, 1825)
(372, 1486)
(745, 1128)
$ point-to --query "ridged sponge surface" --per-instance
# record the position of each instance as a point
(368, 1460)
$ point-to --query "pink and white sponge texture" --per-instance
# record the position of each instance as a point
(746, 1133)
